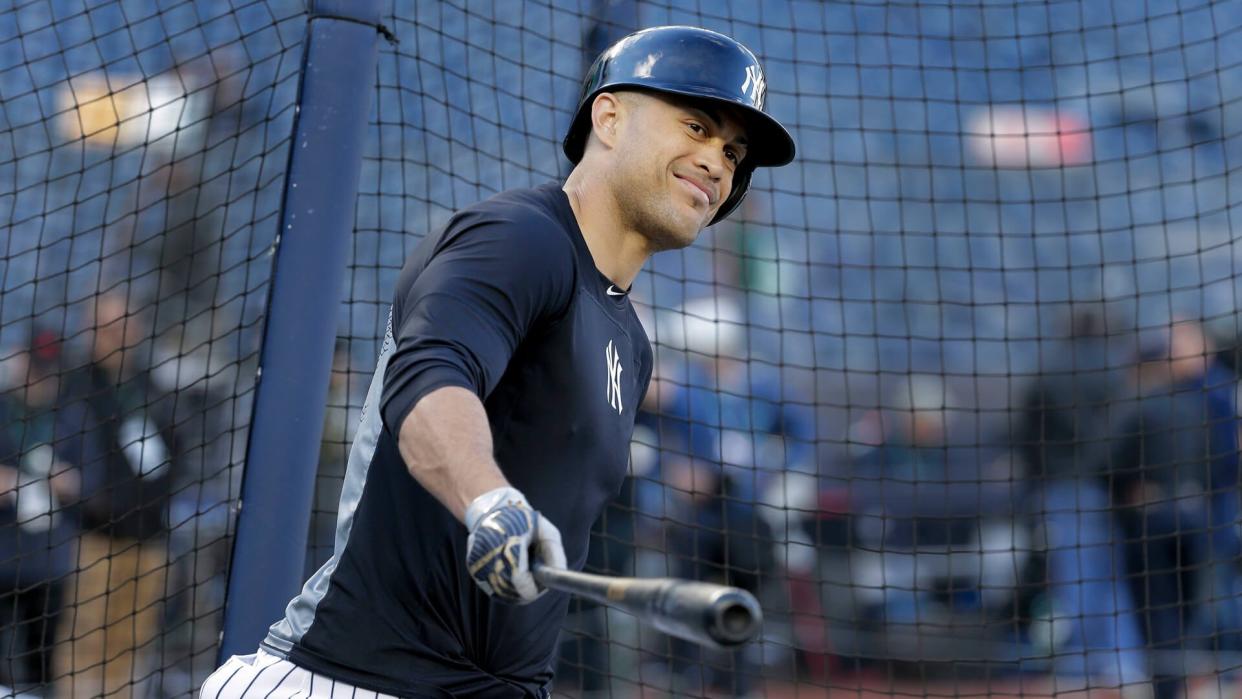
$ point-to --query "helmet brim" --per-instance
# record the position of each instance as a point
(768, 144)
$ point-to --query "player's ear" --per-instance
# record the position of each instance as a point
(606, 113)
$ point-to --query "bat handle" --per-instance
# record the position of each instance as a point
(539, 571)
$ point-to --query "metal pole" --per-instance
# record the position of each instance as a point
(317, 220)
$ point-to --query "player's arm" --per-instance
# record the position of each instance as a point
(457, 322)
(447, 446)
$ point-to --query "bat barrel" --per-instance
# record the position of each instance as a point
(716, 615)
(713, 615)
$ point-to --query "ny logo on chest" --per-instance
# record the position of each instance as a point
(613, 359)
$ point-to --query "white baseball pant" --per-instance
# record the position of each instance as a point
(262, 675)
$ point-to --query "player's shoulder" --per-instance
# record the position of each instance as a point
(535, 221)
(518, 239)
(539, 201)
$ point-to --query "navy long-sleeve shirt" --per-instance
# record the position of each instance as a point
(506, 301)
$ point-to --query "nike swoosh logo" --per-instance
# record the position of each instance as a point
(614, 291)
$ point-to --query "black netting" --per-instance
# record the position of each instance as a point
(953, 394)
(142, 155)
(917, 394)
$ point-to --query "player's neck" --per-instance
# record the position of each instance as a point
(618, 254)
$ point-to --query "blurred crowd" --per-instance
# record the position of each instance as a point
(112, 527)
(1090, 531)
(1088, 527)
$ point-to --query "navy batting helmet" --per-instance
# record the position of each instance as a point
(697, 63)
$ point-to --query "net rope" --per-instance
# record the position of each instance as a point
(954, 394)
(925, 393)
(142, 152)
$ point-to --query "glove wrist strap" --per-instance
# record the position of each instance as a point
(489, 501)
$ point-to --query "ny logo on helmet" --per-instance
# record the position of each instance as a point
(755, 84)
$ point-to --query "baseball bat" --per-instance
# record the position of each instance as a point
(712, 615)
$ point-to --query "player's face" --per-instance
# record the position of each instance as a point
(677, 162)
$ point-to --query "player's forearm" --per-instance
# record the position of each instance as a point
(446, 443)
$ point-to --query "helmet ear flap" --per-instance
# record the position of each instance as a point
(576, 137)
(741, 183)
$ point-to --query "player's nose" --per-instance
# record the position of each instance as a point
(711, 159)
(713, 162)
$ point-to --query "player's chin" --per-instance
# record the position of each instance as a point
(677, 224)
(690, 227)
(675, 235)
(697, 216)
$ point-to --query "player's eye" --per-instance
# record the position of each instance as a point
(696, 127)
(733, 156)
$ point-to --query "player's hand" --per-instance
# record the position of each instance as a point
(506, 537)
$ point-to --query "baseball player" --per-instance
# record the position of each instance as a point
(498, 422)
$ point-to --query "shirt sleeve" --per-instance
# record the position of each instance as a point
(458, 320)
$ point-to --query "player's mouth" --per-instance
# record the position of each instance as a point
(702, 193)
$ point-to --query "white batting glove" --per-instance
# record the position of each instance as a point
(504, 531)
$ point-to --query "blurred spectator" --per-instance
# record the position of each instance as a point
(910, 443)
(934, 521)
(729, 433)
(732, 411)
(40, 448)
(1063, 436)
(1176, 473)
(198, 381)
(117, 595)
(906, 446)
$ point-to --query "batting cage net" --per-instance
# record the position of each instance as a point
(142, 156)
(953, 394)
